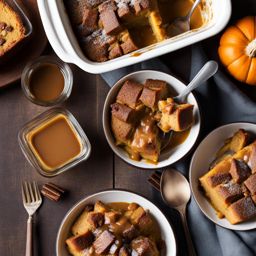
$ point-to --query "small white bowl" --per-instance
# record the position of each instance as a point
(115, 196)
(167, 157)
(199, 165)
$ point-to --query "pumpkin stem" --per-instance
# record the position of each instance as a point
(251, 49)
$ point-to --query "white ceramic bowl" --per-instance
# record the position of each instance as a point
(200, 162)
(62, 39)
(167, 157)
(115, 196)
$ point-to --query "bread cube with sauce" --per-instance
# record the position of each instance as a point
(176, 117)
(81, 225)
(144, 246)
(79, 243)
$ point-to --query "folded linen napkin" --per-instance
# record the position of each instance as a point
(221, 102)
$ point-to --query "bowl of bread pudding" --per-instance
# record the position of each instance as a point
(115, 222)
(222, 176)
(143, 123)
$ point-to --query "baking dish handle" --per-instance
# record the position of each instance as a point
(50, 29)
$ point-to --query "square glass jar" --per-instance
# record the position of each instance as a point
(33, 142)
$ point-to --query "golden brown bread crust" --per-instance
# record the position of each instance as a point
(13, 20)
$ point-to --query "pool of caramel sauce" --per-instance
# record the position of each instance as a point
(55, 143)
(46, 82)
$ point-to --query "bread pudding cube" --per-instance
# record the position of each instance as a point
(176, 117)
(229, 192)
(114, 51)
(129, 93)
(76, 10)
(128, 44)
(239, 170)
(144, 246)
(96, 46)
(107, 5)
(239, 140)
(110, 22)
(123, 10)
(122, 131)
(241, 210)
(81, 225)
(89, 23)
(77, 244)
(154, 90)
(103, 242)
(123, 113)
(95, 219)
(100, 207)
(250, 183)
(140, 5)
(218, 178)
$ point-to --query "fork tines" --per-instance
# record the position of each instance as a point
(154, 180)
(30, 192)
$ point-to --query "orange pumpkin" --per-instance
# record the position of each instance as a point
(237, 50)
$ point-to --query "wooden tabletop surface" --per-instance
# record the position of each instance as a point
(102, 171)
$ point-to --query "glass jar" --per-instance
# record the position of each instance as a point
(54, 142)
(39, 63)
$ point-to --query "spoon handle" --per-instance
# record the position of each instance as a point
(208, 70)
(195, 4)
(191, 249)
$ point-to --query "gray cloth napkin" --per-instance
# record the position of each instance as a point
(221, 102)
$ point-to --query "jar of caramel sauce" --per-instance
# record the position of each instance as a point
(47, 81)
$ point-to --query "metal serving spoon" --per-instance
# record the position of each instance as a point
(207, 71)
(182, 24)
(176, 193)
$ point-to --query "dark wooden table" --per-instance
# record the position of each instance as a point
(102, 171)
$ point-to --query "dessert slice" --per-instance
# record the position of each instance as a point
(12, 30)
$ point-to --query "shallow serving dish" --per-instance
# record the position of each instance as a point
(60, 34)
(167, 157)
(115, 196)
(199, 165)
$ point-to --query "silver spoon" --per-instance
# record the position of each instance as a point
(176, 193)
(182, 24)
(207, 71)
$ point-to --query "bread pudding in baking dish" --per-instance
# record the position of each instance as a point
(107, 29)
(12, 30)
(230, 184)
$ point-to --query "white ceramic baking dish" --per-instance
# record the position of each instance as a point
(60, 34)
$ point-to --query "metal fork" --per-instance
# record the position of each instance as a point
(31, 200)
